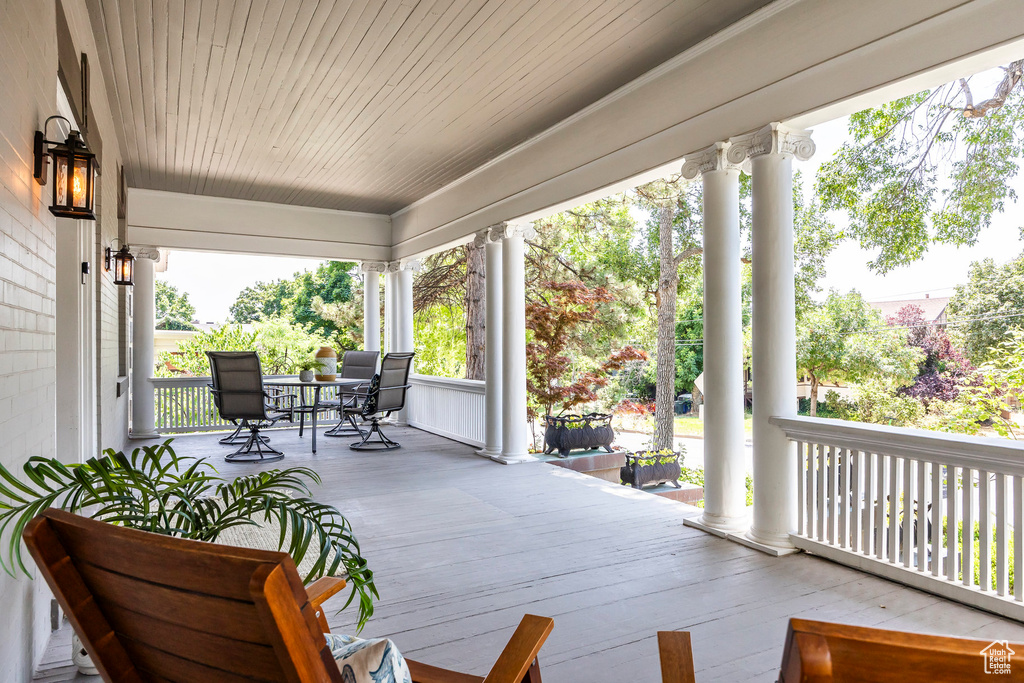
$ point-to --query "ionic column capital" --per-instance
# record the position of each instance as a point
(373, 267)
(150, 253)
(504, 231)
(713, 158)
(414, 265)
(774, 138)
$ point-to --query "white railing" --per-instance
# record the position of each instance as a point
(453, 408)
(882, 498)
(185, 404)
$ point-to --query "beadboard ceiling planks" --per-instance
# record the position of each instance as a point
(365, 105)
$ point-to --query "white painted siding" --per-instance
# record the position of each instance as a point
(113, 410)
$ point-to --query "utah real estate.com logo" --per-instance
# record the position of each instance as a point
(997, 657)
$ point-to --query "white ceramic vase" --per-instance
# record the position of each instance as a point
(81, 658)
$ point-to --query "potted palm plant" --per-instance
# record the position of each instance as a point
(155, 490)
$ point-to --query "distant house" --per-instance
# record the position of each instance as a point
(933, 308)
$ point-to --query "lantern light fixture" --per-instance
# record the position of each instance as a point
(123, 264)
(74, 172)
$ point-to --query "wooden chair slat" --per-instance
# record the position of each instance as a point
(213, 650)
(224, 574)
(170, 666)
(231, 619)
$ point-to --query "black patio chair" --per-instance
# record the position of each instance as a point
(354, 365)
(385, 395)
(239, 395)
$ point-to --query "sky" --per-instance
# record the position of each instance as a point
(213, 281)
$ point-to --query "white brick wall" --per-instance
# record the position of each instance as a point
(28, 67)
(28, 86)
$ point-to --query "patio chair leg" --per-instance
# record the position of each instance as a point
(384, 444)
(346, 427)
(236, 437)
(264, 452)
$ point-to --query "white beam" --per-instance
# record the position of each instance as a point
(176, 220)
(809, 56)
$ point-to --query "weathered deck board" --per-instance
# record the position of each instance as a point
(462, 547)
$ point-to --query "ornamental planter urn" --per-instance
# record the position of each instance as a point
(651, 467)
(566, 433)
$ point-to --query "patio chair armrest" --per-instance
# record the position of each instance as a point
(676, 657)
(319, 592)
(424, 673)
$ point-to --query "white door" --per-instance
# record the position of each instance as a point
(76, 396)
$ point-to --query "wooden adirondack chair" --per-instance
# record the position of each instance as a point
(820, 652)
(155, 608)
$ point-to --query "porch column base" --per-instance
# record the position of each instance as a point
(773, 544)
(489, 453)
(509, 459)
(144, 435)
(719, 526)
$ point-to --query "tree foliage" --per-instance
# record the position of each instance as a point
(173, 309)
(989, 305)
(943, 370)
(845, 339)
(261, 301)
(278, 342)
(310, 299)
(555, 323)
(888, 180)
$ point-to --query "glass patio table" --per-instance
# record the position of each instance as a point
(317, 386)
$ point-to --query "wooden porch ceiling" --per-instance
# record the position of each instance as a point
(461, 547)
(366, 105)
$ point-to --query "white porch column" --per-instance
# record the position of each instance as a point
(402, 338)
(371, 304)
(513, 343)
(491, 239)
(725, 507)
(771, 151)
(143, 363)
(390, 304)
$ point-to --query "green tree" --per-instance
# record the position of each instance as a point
(930, 167)
(845, 339)
(991, 304)
(173, 310)
(261, 301)
(331, 282)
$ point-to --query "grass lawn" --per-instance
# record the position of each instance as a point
(688, 425)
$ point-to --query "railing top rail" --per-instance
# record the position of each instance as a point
(993, 455)
(198, 380)
(474, 386)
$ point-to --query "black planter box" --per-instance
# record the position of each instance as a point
(566, 433)
(661, 468)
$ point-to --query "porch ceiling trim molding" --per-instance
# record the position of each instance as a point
(795, 61)
(173, 220)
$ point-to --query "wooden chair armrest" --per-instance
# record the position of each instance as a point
(424, 673)
(518, 656)
(676, 657)
(319, 592)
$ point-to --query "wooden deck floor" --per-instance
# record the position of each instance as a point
(462, 547)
